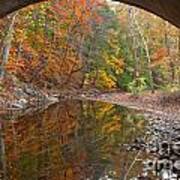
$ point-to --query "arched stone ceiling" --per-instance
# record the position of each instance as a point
(167, 9)
(9, 6)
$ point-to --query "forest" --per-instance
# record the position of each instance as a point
(93, 52)
(85, 45)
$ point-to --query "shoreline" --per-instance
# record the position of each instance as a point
(143, 103)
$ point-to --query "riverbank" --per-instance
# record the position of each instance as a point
(18, 98)
(21, 98)
(159, 103)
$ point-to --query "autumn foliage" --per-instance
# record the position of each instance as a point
(89, 43)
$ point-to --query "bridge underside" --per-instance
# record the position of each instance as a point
(166, 9)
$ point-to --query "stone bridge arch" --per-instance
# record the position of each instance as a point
(166, 9)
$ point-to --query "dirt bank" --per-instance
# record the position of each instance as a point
(158, 103)
(18, 98)
(26, 98)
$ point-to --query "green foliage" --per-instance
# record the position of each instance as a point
(110, 47)
(138, 85)
(104, 64)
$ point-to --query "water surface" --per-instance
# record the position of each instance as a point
(72, 140)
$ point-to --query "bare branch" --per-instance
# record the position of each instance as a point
(166, 9)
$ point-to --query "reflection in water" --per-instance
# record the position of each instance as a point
(73, 140)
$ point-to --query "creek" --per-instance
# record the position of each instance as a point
(82, 140)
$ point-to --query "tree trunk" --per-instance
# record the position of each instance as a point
(146, 48)
(166, 9)
(7, 44)
(179, 57)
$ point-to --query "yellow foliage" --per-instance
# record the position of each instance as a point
(111, 127)
(103, 109)
(105, 80)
